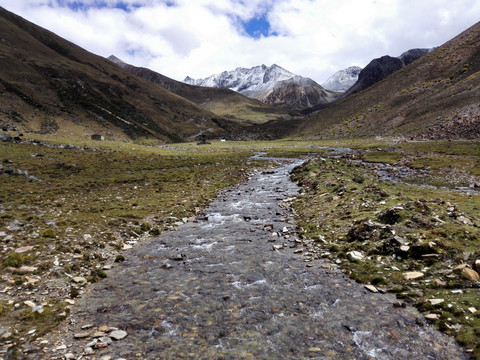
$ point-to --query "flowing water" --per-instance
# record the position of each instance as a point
(235, 285)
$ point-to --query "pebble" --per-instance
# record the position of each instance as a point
(413, 275)
(118, 334)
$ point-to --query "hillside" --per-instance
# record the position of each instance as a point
(50, 85)
(434, 97)
(220, 101)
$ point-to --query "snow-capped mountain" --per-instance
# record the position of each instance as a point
(343, 79)
(253, 82)
(271, 85)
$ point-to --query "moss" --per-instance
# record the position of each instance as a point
(15, 260)
(49, 233)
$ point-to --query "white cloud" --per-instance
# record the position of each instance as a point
(202, 37)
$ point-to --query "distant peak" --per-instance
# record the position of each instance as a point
(117, 61)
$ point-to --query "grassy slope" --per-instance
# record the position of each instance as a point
(439, 88)
(49, 84)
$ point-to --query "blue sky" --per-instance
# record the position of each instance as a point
(312, 38)
(258, 26)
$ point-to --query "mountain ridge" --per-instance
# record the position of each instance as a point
(221, 101)
(265, 83)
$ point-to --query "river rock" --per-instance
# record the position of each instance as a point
(470, 274)
(118, 334)
(432, 316)
(413, 275)
(79, 280)
(435, 301)
(82, 335)
(177, 257)
(355, 255)
(371, 288)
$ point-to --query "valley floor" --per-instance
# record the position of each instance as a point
(68, 214)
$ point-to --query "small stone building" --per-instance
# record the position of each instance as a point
(98, 137)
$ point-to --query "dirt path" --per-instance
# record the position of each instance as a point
(236, 285)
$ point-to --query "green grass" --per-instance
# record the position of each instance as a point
(340, 197)
(381, 157)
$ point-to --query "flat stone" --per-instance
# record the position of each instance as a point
(440, 282)
(470, 274)
(277, 247)
(79, 280)
(88, 351)
(472, 310)
(432, 316)
(82, 335)
(27, 268)
(118, 334)
(31, 280)
(413, 275)
(30, 303)
(435, 301)
(23, 249)
(371, 288)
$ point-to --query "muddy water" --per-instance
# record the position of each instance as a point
(217, 289)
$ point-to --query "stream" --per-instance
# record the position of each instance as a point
(235, 284)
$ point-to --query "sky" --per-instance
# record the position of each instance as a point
(198, 38)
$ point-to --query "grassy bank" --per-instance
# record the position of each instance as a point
(418, 242)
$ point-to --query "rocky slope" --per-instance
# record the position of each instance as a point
(378, 69)
(434, 97)
(342, 80)
(66, 90)
(271, 85)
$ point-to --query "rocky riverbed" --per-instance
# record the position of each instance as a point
(235, 283)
